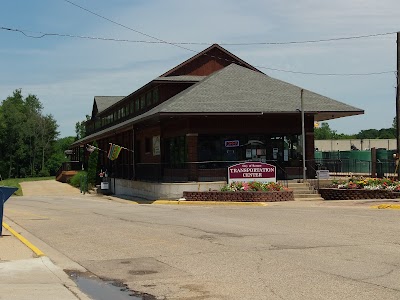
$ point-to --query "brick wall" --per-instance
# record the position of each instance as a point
(239, 196)
(141, 135)
(349, 194)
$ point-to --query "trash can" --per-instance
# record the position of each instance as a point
(105, 186)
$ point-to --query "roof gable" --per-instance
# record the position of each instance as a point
(101, 103)
(206, 62)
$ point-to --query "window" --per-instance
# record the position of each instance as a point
(137, 105)
(175, 150)
(97, 124)
(148, 99)
(155, 95)
(147, 145)
(142, 102)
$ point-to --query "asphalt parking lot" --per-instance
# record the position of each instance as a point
(296, 250)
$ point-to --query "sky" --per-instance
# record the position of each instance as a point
(66, 73)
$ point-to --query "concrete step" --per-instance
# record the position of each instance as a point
(306, 195)
(316, 198)
(297, 184)
(302, 191)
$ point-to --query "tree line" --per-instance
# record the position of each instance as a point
(324, 132)
(29, 144)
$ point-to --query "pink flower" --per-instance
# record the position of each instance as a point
(246, 186)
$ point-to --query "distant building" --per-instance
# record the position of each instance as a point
(355, 144)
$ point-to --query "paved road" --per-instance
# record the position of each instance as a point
(282, 251)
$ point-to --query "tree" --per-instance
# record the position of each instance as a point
(47, 135)
(12, 142)
(92, 166)
(324, 132)
(384, 133)
(26, 136)
(80, 128)
(32, 130)
(58, 154)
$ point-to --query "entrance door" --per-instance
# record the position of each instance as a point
(256, 151)
(275, 149)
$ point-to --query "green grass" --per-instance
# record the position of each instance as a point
(14, 182)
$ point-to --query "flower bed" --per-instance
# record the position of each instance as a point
(244, 192)
(367, 184)
(361, 188)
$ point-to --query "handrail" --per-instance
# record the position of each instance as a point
(69, 166)
(310, 182)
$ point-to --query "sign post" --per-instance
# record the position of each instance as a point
(5, 193)
(252, 171)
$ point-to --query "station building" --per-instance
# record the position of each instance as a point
(188, 125)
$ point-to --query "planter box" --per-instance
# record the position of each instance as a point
(239, 196)
(355, 194)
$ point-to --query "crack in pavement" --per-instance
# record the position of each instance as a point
(359, 280)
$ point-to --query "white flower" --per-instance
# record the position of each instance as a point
(373, 187)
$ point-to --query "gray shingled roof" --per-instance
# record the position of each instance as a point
(236, 89)
(104, 102)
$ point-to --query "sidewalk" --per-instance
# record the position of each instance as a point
(26, 273)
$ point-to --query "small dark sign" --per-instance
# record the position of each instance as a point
(252, 171)
(234, 143)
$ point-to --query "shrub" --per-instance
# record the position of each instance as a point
(92, 165)
(77, 179)
(44, 173)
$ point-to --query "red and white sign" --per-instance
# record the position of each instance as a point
(252, 171)
(234, 143)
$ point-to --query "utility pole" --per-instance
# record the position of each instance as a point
(398, 107)
(303, 133)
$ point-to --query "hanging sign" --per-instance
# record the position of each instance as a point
(252, 171)
(156, 145)
(234, 143)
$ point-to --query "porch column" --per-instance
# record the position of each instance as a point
(191, 142)
(310, 159)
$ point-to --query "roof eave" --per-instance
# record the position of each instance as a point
(331, 115)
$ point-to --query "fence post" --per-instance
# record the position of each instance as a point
(373, 162)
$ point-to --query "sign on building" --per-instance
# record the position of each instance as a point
(323, 174)
(234, 143)
(156, 145)
(252, 171)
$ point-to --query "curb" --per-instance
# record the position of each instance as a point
(222, 203)
(24, 240)
(184, 202)
(386, 206)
